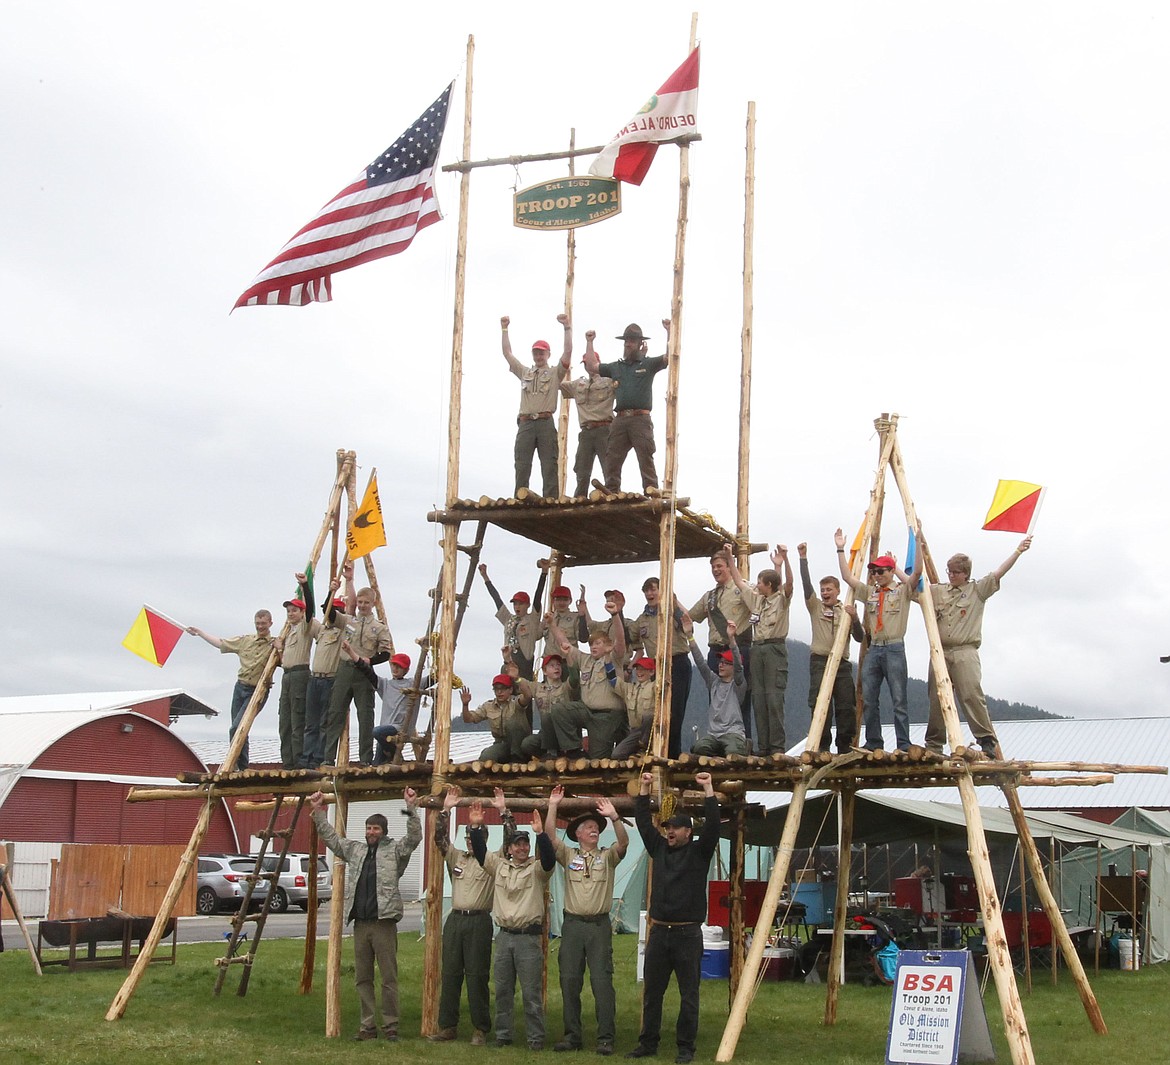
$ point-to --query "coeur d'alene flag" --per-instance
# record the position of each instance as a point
(366, 530)
(671, 111)
(377, 214)
(152, 636)
(1014, 507)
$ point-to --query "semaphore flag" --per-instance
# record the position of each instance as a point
(375, 216)
(152, 636)
(669, 113)
(1014, 507)
(366, 530)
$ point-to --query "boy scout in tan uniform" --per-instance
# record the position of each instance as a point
(518, 906)
(323, 671)
(594, 396)
(722, 604)
(370, 638)
(639, 696)
(566, 619)
(294, 663)
(253, 651)
(521, 628)
(508, 719)
(958, 605)
(601, 711)
(467, 932)
(768, 604)
(536, 428)
(586, 932)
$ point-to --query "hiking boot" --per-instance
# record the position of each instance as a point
(390, 1034)
(685, 1057)
(566, 1044)
(641, 1051)
(443, 1035)
(478, 1038)
(364, 1034)
(604, 1048)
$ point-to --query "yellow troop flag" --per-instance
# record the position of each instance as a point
(366, 531)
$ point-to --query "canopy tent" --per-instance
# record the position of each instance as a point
(884, 819)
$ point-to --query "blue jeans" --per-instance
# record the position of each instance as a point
(886, 660)
(384, 752)
(241, 697)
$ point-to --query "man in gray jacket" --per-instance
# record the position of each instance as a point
(374, 905)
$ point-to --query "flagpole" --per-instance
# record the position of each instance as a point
(660, 735)
(745, 343)
(445, 666)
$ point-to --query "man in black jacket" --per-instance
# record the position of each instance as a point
(678, 905)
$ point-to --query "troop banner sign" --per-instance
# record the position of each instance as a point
(567, 203)
(936, 1013)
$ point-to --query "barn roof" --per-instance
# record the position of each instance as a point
(31, 724)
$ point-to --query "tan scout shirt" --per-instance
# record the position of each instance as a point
(639, 699)
(299, 643)
(893, 604)
(471, 884)
(594, 398)
(588, 878)
(596, 691)
(520, 633)
(960, 610)
(253, 651)
(729, 599)
(367, 635)
(328, 652)
(567, 623)
(773, 612)
(497, 715)
(546, 694)
(645, 637)
(538, 388)
(518, 900)
(825, 620)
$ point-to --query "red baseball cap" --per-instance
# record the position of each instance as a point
(613, 593)
(727, 656)
(401, 660)
(645, 663)
(294, 602)
(521, 597)
(548, 658)
(561, 592)
(882, 560)
(502, 678)
(541, 345)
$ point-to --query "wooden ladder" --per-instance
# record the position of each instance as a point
(243, 917)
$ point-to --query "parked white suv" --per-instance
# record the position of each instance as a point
(292, 886)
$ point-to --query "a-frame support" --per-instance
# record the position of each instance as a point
(346, 464)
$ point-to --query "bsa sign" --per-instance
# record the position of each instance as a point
(566, 203)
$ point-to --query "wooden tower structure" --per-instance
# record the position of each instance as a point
(657, 527)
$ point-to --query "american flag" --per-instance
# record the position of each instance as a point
(377, 215)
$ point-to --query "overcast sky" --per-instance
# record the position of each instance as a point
(961, 216)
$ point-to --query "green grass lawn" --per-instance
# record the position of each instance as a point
(175, 1019)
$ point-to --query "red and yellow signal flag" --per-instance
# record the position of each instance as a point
(152, 636)
(1014, 507)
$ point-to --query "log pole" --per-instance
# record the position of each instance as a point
(10, 895)
(743, 559)
(445, 665)
(847, 799)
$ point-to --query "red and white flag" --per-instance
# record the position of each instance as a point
(376, 215)
(669, 113)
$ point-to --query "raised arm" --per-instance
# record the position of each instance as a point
(465, 697)
(606, 808)
(666, 353)
(779, 559)
(443, 821)
(306, 587)
(554, 630)
(350, 591)
(846, 573)
(1013, 558)
(490, 587)
(215, 641)
(728, 553)
(805, 576)
(567, 356)
(550, 817)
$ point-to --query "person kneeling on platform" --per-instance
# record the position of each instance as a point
(507, 716)
(725, 733)
(639, 696)
(601, 711)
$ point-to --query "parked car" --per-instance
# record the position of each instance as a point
(292, 886)
(222, 883)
